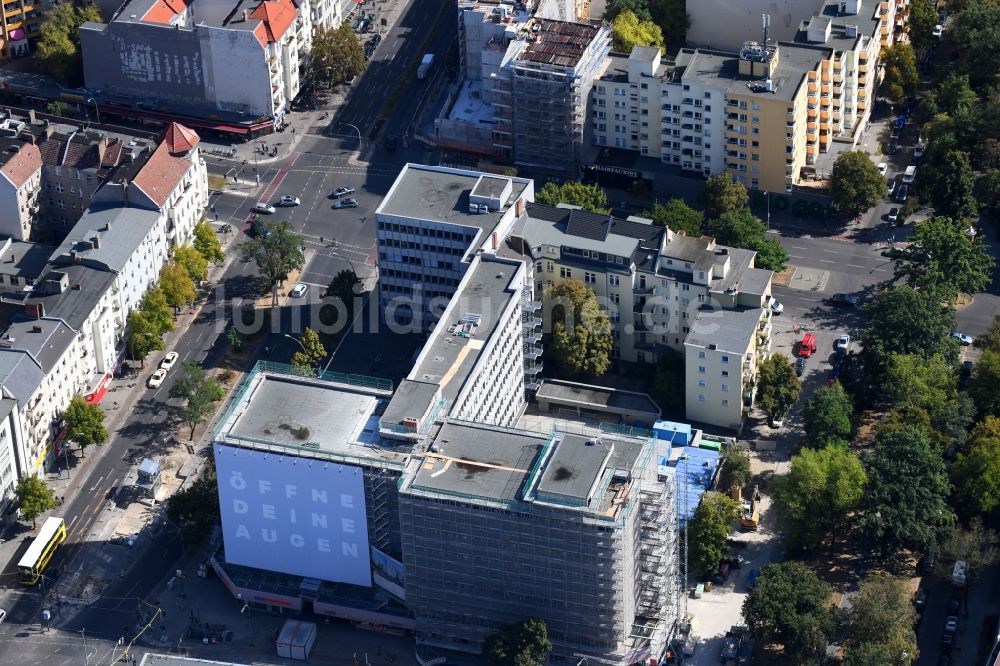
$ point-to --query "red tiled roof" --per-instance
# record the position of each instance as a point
(163, 11)
(20, 166)
(161, 173)
(277, 16)
(82, 153)
(180, 139)
(113, 153)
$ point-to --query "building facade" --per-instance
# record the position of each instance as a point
(239, 57)
(20, 184)
(721, 355)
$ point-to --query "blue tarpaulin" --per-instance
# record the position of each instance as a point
(695, 469)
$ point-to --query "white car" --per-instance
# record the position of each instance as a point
(964, 338)
(843, 342)
(287, 201)
(938, 30)
(300, 290)
(168, 360)
(261, 207)
(346, 203)
(775, 305)
(777, 421)
(156, 379)
(919, 151)
(882, 168)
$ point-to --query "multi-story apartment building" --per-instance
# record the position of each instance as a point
(715, 112)
(230, 56)
(430, 224)
(20, 183)
(21, 262)
(653, 283)
(70, 317)
(720, 360)
(10, 435)
(527, 79)
(22, 21)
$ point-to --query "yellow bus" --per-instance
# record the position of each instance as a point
(39, 554)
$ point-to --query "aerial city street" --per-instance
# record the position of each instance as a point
(500, 332)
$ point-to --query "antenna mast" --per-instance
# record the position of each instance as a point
(766, 24)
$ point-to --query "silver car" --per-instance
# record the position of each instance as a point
(346, 203)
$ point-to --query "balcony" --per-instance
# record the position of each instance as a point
(534, 369)
(643, 290)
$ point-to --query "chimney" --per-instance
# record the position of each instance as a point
(246, 15)
(96, 241)
(125, 189)
(102, 148)
(77, 286)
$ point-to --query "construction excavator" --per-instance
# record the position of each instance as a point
(749, 508)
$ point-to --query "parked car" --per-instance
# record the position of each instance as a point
(882, 168)
(156, 379)
(843, 342)
(730, 646)
(800, 366)
(777, 421)
(902, 193)
(288, 200)
(893, 214)
(951, 623)
(775, 305)
(846, 300)
(391, 142)
(919, 150)
(300, 290)
(891, 148)
(963, 338)
(947, 641)
(920, 599)
(938, 30)
(965, 375)
(954, 603)
(259, 227)
(346, 203)
(169, 359)
(341, 192)
(265, 208)
(752, 579)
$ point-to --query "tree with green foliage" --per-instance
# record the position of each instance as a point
(587, 196)
(903, 320)
(193, 261)
(742, 229)
(84, 423)
(987, 191)
(975, 36)
(985, 386)
(778, 386)
(920, 23)
(33, 497)
(156, 309)
(677, 216)
(708, 531)
(580, 338)
(955, 96)
(856, 184)
(58, 51)
(234, 338)
(176, 285)
(929, 384)
(524, 643)
(668, 382)
(828, 416)
(734, 468)
(206, 241)
(638, 7)
(952, 185)
(944, 258)
(822, 488)
(629, 31)
(672, 17)
(277, 252)
(723, 195)
(976, 472)
(906, 503)
(991, 338)
(976, 545)
(882, 622)
(200, 391)
(337, 55)
(142, 336)
(312, 353)
(901, 77)
(195, 509)
(791, 606)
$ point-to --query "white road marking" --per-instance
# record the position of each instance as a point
(97, 484)
(856, 266)
(73, 521)
(827, 261)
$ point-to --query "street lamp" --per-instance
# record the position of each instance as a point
(767, 198)
(249, 611)
(360, 142)
(86, 651)
(97, 109)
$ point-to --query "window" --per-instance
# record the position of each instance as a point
(701, 368)
(701, 383)
(615, 298)
(701, 397)
(565, 272)
(725, 403)
(708, 95)
(548, 267)
(725, 359)
(701, 354)
(614, 280)
(725, 373)
(756, 106)
(589, 278)
(725, 388)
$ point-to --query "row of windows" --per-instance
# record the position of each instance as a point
(723, 403)
(424, 247)
(420, 277)
(424, 231)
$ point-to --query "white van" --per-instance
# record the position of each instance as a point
(910, 174)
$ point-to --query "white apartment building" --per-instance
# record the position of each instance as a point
(232, 56)
(20, 183)
(652, 282)
(721, 355)
(429, 226)
(12, 421)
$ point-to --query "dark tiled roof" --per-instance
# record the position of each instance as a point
(588, 225)
(585, 224)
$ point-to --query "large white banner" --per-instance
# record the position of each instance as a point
(294, 515)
